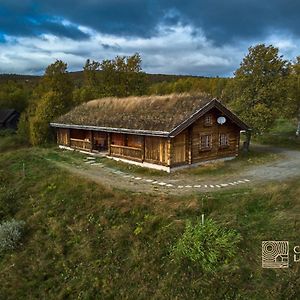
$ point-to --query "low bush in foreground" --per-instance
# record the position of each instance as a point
(10, 234)
(207, 245)
(9, 140)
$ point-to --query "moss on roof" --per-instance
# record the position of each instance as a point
(155, 113)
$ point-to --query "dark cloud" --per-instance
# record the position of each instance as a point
(222, 21)
(24, 20)
(149, 27)
(226, 21)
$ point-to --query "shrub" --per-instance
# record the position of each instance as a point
(10, 234)
(10, 141)
(6, 132)
(208, 246)
(8, 201)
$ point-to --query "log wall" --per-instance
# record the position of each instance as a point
(179, 146)
(214, 130)
(63, 136)
(156, 150)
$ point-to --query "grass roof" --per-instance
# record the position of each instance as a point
(154, 113)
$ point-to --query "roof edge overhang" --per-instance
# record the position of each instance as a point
(213, 103)
(112, 130)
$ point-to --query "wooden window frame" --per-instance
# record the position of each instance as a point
(208, 142)
(223, 137)
(208, 120)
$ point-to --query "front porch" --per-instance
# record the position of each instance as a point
(86, 140)
(131, 147)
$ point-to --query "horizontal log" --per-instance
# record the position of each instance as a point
(125, 147)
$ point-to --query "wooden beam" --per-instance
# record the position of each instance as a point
(169, 152)
(69, 137)
(57, 135)
(246, 145)
(143, 148)
(109, 143)
(190, 158)
(91, 140)
(238, 143)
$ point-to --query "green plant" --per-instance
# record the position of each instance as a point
(207, 245)
(10, 234)
(8, 201)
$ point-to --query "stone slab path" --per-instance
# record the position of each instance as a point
(287, 166)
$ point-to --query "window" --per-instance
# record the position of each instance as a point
(205, 142)
(223, 140)
(208, 120)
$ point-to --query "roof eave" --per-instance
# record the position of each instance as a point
(112, 130)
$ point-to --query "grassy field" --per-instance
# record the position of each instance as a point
(282, 134)
(87, 241)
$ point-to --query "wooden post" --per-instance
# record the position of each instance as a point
(68, 137)
(57, 136)
(246, 144)
(23, 169)
(298, 127)
(237, 150)
(91, 140)
(108, 143)
(143, 148)
(190, 159)
(169, 152)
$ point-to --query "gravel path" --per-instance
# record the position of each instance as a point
(287, 166)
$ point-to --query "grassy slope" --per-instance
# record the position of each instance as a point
(81, 239)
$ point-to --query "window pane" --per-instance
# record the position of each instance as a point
(208, 120)
(205, 141)
(223, 139)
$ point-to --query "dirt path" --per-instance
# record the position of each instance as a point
(287, 166)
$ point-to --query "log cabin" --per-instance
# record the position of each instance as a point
(161, 132)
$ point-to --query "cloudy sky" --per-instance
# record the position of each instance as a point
(198, 37)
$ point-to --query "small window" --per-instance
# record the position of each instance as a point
(205, 142)
(208, 120)
(224, 142)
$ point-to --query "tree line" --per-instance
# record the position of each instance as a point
(265, 87)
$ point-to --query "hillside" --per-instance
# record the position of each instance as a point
(77, 76)
(88, 241)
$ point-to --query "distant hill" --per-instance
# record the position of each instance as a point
(78, 78)
(18, 78)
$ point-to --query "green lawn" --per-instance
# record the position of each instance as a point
(87, 241)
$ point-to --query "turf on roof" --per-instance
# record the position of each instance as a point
(155, 113)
